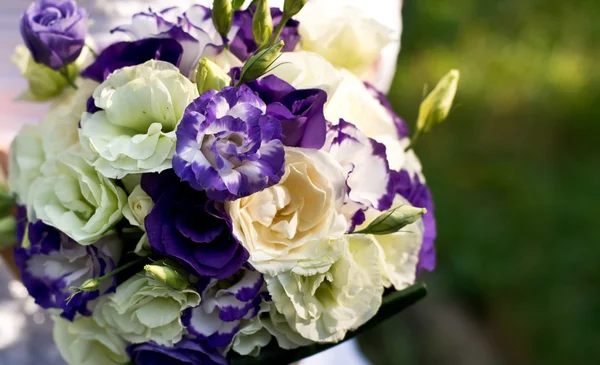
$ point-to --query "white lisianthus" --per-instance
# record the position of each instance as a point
(344, 35)
(74, 198)
(293, 225)
(139, 205)
(278, 326)
(84, 342)
(60, 126)
(324, 306)
(398, 252)
(26, 157)
(135, 130)
(145, 309)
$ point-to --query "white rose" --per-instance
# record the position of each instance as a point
(84, 342)
(139, 205)
(74, 198)
(26, 157)
(135, 130)
(344, 35)
(60, 126)
(398, 252)
(324, 306)
(289, 226)
(144, 309)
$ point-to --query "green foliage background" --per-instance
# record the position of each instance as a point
(515, 173)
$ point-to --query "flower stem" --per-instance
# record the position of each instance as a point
(91, 50)
(65, 73)
(279, 29)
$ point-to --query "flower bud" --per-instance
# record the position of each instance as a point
(262, 23)
(260, 63)
(237, 4)
(293, 7)
(436, 106)
(210, 76)
(394, 220)
(222, 16)
(167, 274)
(44, 82)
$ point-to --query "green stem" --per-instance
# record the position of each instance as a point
(279, 29)
(65, 73)
(413, 140)
(91, 50)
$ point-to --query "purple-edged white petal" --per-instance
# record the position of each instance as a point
(366, 165)
(227, 146)
(224, 304)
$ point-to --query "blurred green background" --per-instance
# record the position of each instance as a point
(515, 174)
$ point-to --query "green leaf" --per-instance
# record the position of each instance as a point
(259, 63)
(392, 304)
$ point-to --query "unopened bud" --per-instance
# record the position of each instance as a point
(88, 286)
(262, 23)
(292, 7)
(167, 274)
(222, 16)
(210, 76)
(436, 106)
(394, 220)
(237, 4)
(260, 63)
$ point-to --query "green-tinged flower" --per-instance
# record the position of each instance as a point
(146, 309)
(323, 307)
(139, 205)
(394, 220)
(222, 16)
(84, 342)
(436, 106)
(210, 76)
(44, 82)
(293, 7)
(262, 23)
(26, 157)
(74, 198)
(135, 130)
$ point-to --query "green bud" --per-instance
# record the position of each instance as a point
(44, 82)
(168, 274)
(394, 220)
(210, 76)
(292, 7)
(87, 286)
(237, 4)
(259, 63)
(436, 106)
(262, 23)
(222, 16)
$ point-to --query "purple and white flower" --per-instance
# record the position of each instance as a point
(54, 31)
(185, 225)
(193, 29)
(185, 352)
(368, 174)
(123, 54)
(228, 146)
(300, 111)
(243, 44)
(50, 263)
(224, 305)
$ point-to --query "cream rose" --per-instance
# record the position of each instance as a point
(289, 226)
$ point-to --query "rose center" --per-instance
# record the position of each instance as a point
(48, 16)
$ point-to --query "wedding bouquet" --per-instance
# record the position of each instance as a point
(222, 187)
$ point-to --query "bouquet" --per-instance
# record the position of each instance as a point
(220, 187)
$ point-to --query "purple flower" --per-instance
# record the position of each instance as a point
(417, 193)
(368, 172)
(54, 31)
(192, 29)
(228, 146)
(185, 225)
(401, 126)
(185, 352)
(52, 263)
(243, 45)
(125, 54)
(224, 304)
(300, 111)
